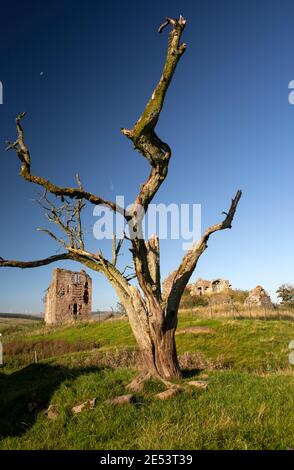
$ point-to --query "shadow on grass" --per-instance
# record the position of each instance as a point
(25, 393)
(189, 373)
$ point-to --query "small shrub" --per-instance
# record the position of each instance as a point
(189, 301)
(196, 360)
(286, 294)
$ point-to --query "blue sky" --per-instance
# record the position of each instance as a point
(226, 117)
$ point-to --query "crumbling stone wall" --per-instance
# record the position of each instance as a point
(69, 297)
(201, 287)
(259, 298)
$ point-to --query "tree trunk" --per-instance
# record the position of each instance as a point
(163, 356)
(158, 353)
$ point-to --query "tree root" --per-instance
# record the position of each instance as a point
(137, 385)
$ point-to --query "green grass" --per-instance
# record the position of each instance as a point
(249, 403)
(109, 334)
(251, 345)
(242, 344)
(10, 326)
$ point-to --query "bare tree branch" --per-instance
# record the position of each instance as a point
(142, 134)
(125, 268)
(80, 235)
(74, 193)
(52, 235)
(67, 217)
(34, 264)
(163, 25)
(185, 270)
(79, 208)
(116, 248)
(153, 260)
(156, 151)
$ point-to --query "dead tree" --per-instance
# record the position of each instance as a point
(152, 312)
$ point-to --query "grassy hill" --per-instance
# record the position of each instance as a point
(249, 403)
(13, 323)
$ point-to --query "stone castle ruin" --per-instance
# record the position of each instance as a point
(203, 287)
(69, 297)
(258, 297)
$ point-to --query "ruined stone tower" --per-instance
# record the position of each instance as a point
(69, 297)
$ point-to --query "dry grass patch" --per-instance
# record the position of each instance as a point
(196, 330)
(19, 353)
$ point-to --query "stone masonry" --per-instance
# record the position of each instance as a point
(201, 287)
(258, 297)
(69, 297)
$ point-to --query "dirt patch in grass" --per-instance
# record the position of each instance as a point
(196, 330)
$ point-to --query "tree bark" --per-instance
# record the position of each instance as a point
(154, 329)
(158, 358)
(165, 353)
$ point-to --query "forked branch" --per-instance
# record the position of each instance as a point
(157, 153)
(74, 193)
(143, 133)
(182, 275)
(68, 217)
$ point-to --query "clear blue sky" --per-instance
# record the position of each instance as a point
(227, 119)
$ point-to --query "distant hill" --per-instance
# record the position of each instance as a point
(101, 315)
(21, 315)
